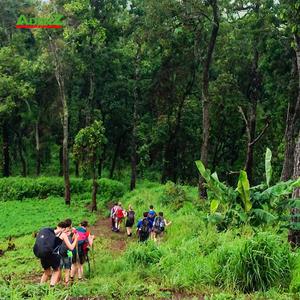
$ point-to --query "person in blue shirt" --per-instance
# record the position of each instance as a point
(151, 213)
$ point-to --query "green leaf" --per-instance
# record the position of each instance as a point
(243, 189)
(268, 166)
(296, 183)
(214, 204)
(263, 216)
(204, 173)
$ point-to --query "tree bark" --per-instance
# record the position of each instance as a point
(65, 120)
(38, 149)
(294, 234)
(23, 161)
(5, 149)
(205, 95)
(293, 115)
(65, 152)
(90, 106)
(133, 141)
(61, 168)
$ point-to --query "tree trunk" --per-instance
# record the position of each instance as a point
(65, 153)
(133, 155)
(116, 154)
(293, 115)
(61, 168)
(38, 149)
(23, 161)
(205, 95)
(287, 169)
(95, 186)
(253, 98)
(90, 106)
(5, 149)
(294, 234)
(133, 141)
(65, 117)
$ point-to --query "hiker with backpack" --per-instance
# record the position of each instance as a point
(46, 248)
(80, 254)
(159, 226)
(130, 214)
(144, 228)
(151, 213)
(119, 216)
(66, 254)
(151, 216)
(112, 216)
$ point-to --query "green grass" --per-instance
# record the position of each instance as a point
(27, 216)
(193, 259)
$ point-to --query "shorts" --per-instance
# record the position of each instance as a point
(129, 223)
(158, 231)
(51, 261)
(81, 255)
(66, 263)
(82, 258)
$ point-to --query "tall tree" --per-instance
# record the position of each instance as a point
(205, 99)
(60, 76)
(290, 16)
(87, 148)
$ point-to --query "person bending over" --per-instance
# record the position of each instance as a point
(47, 246)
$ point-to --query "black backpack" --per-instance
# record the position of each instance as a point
(159, 223)
(44, 243)
(145, 227)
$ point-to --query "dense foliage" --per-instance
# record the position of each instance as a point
(18, 188)
(194, 259)
(138, 67)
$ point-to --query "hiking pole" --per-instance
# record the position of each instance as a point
(93, 258)
(89, 265)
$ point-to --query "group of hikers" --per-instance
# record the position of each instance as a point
(151, 225)
(66, 247)
(63, 248)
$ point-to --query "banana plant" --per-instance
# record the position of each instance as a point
(243, 189)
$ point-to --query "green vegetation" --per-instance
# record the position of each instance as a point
(18, 188)
(193, 258)
(118, 104)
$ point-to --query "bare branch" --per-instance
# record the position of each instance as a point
(246, 122)
(261, 134)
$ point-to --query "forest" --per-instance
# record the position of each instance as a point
(192, 106)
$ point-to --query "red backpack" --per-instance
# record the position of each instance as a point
(119, 213)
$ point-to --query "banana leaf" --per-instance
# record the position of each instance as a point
(268, 166)
(243, 189)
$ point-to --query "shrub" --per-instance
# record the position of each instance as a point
(18, 188)
(110, 189)
(295, 282)
(173, 195)
(260, 263)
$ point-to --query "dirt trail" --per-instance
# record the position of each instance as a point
(117, 241)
